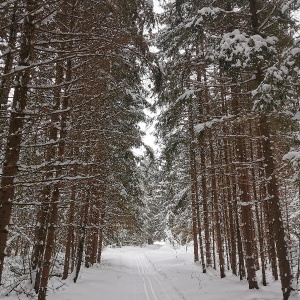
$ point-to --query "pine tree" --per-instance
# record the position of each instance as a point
(236, 69)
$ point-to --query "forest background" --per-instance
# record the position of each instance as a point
(72, 95)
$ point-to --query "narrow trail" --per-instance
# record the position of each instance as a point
(156, 273)
(157, 286)
(125, 273)
(144, 275)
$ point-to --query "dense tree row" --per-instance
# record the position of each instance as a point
(229, 102)
(71, 99)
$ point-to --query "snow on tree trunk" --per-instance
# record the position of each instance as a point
(16, 122)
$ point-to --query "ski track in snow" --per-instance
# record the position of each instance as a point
(144, 282)
(143, 276)
(166, 279)
(159, 285)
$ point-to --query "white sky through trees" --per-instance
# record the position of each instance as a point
(149, 139)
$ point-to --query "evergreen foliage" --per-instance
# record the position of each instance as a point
(72, 97)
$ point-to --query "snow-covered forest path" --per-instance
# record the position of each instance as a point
(157, 273)
(139, 278)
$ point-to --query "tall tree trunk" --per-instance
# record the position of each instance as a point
(8, 60)
(230, 208)
(40, 236)
(242, 272)
(70, 236)
(247, 224)
(95, 245)
(194, 187)
(5, 82)
(16, 122)
(201, 144)
(102, 217)
(49, 247)
(258, 221)
(267, 220)
(224, 217)
(204, 203)
(275, 210)
(272, 185)
(47, 193)
(95, 231)
(89, 236)
(214, 244)
(245, 197)
(217, 221)
(194, 179)
(80, 249)
(55, 195)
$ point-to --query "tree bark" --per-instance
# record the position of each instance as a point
(16, 122)
(204, 204)
(194, 187)
(275, 209)
(55, 195)
(194, 179)
(215, 201)
(247, 224)
(70, 235)
(49, 247)
(4, 82)
(258, 221)
(82, 238)
(231, 209)
(272, 185)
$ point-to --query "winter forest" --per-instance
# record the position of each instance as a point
(219, 80)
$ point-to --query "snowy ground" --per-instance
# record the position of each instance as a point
(156, 272)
